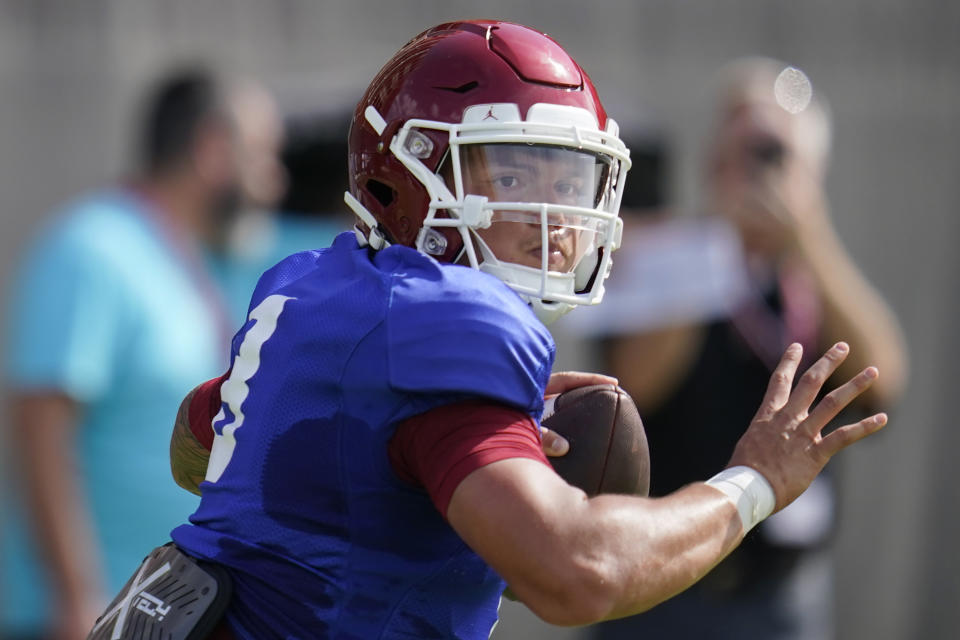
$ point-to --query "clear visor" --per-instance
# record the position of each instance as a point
(555, 192)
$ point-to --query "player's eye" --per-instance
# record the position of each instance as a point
(506, 182)
(567, 189)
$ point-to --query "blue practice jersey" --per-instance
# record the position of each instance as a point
(302, 505)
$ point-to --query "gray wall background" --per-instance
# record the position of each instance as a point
(71, 72)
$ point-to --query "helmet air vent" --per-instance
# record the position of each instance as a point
(380, 191)
(464, 88)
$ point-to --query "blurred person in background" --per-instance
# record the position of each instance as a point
(309, 216)
(115, 314)
(699, 311)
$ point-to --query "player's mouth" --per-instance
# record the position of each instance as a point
(559, 257)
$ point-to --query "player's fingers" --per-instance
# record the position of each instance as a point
(554, 444)
(778, 389)
(566, 380)
(847, 435)
(837, 400)
(814, 378)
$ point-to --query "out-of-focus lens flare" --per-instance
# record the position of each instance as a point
(792, 90)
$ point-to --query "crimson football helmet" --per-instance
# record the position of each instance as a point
(482, 142)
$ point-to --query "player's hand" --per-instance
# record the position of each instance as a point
(566, 380)
(784, 441)
(555, 445)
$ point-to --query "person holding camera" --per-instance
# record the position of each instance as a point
(695, 379)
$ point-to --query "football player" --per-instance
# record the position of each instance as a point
(375, 465)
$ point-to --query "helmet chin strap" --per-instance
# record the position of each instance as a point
(524, 280)
(518, 276)
(375, 239)
(548, 312)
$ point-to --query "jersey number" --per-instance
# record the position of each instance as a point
(234, 390)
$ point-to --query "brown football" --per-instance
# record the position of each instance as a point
(608, 445)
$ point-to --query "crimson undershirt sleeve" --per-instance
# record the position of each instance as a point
(204, 407)
(441, 447)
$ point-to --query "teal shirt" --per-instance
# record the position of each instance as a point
(268, 240)
(105, 309)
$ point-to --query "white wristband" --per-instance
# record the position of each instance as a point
(749, 491)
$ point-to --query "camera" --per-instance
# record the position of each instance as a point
(767, 154)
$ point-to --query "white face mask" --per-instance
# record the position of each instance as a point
(511, 186)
